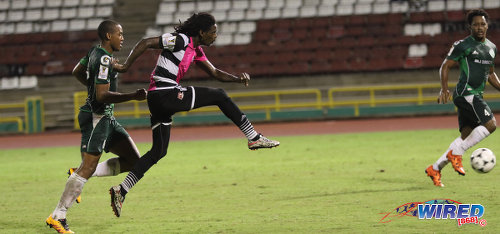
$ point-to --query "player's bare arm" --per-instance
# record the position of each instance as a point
(493, 79)
(138, 50)
(444, 93)
(222, 75)
(105, 96)
(80, 72)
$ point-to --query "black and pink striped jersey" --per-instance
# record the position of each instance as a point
(177, 55)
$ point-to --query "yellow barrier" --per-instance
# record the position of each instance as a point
(17, 120)
(34, 117)
(79, 100)
(372, 98)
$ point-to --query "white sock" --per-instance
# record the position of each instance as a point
(247, 128)
(478, 134)
(74, 186)
(110, 167)
(443, 161)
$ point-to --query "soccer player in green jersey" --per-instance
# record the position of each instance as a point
(100, 130)
(475, 57)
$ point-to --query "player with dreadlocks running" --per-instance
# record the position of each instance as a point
(166, 97)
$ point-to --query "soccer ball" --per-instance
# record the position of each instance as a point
(483, 160)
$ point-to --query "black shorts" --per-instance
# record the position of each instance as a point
(166, 102)
(163, 104)
(472, 111)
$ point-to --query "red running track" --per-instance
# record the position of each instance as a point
(183, 133)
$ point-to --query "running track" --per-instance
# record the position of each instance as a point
(183, 133)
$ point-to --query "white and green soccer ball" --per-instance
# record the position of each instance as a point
(483, 160)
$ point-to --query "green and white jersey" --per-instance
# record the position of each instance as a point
(99, 71)
(475, 59)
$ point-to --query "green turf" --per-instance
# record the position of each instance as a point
(310, 184)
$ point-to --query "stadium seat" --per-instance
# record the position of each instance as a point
(363, 8)
(187, 6)
(86, 12)
(436, 5)
(89, 2)
(15, 16)
(326, 11)
(71, 3)
(53, 4)
(201, 6)
(50, 14)
(222, 5)
(254, 14)
(308, 11)
(381, 8)
(272, 13)
(235, 15)
(33, 4)
(104, 11)
(19, 4)
(240, 4)
(258, 4)
(454, 5)
(473, 5)
(399, 6)
(169, 7)
(346, 9)
(491, 4)
(290, 12)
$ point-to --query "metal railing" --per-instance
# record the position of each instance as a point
(371, 96)
(32, 119)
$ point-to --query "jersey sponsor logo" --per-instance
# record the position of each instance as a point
(169, 42)
(105, 60)
(475, 52)
(483, 61)
(103, 72)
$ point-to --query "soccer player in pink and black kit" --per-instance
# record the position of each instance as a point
(167, 97)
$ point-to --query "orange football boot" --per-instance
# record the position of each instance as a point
(435, 176)
(456, 162)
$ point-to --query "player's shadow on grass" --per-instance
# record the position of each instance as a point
(356, 192)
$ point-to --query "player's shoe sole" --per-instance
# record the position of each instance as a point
(262, 142)
(116, 200)
(435, 176)
(71, 171)
(59, 225)
(456, 162)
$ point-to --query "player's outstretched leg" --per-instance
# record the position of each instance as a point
(59, 225)
(435, 176)
(262, 142)
(71, 171)
(116, 200)
(456, 162)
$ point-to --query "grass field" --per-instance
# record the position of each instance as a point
(310, 184)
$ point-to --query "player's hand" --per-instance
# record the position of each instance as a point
(117, 66)
(141, 94)
(444, 96)
(244, 78)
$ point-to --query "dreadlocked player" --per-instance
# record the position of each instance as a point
(166, 97)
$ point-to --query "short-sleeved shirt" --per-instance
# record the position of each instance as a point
(475, 59)
(100, 71)
(177, 55)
